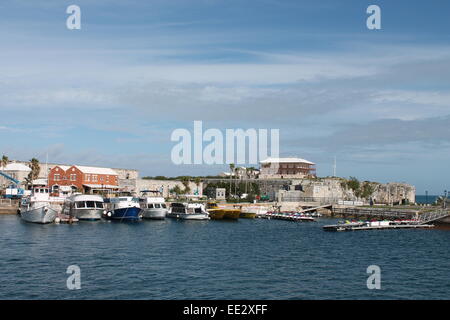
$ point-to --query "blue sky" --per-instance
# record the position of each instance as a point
(111, 93)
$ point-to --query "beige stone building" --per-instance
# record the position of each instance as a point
(286, 168)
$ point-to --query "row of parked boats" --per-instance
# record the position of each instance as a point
(41, 207)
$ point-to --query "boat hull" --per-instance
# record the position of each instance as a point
(87, 214)
(127, 214)
(42, 215)
(231, 214)
(189, 216)
(155, 214)
(247, 215)
(216, 214)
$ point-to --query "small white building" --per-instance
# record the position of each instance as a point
(18, 171)
(220, 194)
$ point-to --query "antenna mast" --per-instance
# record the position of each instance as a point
(334, 167)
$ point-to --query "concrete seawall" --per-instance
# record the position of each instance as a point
(8, 210)
(8, 206)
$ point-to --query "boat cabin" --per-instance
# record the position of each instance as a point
(187, 208)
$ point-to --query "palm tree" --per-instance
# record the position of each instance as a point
(251, 172)
(28, 182)
(185, 182)
(4, 161)
(232, 167)
(35, 169)
(197, 181)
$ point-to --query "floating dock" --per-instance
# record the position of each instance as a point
(286, 216)
(62, 218)
(378, 225)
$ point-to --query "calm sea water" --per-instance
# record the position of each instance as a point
(248, 259)
(423, 199)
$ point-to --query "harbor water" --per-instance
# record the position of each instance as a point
(245, 259)
(426, 199)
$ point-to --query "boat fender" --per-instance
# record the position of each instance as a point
(109, 214)
(57, 220)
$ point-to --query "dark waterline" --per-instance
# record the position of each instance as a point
(248, 259)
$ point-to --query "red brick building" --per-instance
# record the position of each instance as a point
(82, 179)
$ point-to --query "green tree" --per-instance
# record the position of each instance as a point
(176, 190)
(185, 182)
(367, 190)
(4, 161)
(35, 169)
(353, 184)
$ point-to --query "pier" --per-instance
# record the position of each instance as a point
(388, 213)
(403, 219)
(370, 226)
(8, 206)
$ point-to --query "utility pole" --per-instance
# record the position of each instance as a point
(334, 167)
(445, 199)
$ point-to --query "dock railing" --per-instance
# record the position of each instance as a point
(319, 200)
(422, 217)
(376, 213)
(428, 217)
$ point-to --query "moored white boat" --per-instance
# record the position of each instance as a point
(84, 207)
(259, 211)
(153, 207)
(40, 207)
(188, 211)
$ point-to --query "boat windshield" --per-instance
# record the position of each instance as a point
(89, 204)
(179, 209)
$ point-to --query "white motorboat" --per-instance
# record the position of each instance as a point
(84, 207)
(154, 206)
(188, 211)
(259, 211)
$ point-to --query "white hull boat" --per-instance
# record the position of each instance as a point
(84, 207)
(188, 211)
(40, 207)
(44, 214)
(153, 208)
